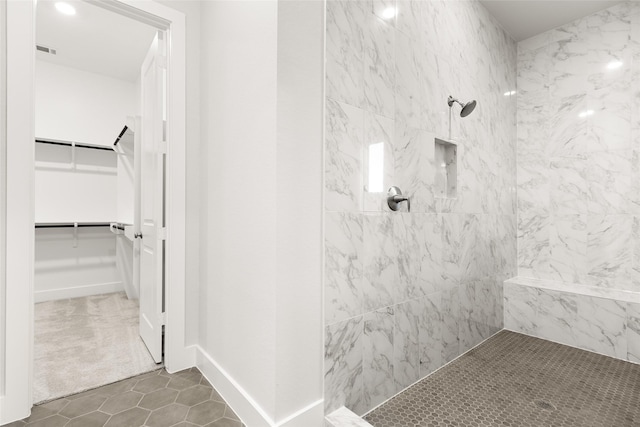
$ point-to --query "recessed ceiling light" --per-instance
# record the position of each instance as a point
(65, 8)
(389, 12)
(614, 64)
(585, 114)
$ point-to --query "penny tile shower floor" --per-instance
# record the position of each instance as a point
(155, 399)
(516, 380)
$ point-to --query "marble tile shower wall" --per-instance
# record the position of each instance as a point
(579, 151)
(407, 292)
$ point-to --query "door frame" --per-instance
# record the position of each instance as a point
(16, 373)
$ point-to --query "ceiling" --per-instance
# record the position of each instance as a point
(100, 41)
(94, 39)
(526, 18)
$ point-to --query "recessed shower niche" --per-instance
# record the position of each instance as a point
(446, 165)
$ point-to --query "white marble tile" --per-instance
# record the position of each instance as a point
(635, 255)
(534, 182)
(343, 266)
(473, 333)
(520, 308)
(572, 318)
(380, 255)
(478, 302)
(576, 288)
(633, 332)
(506, 250)
(407, 242)
(563, 74)
(345, 51)
(409, 18)
(569, 190)
(450, 325)
(536, 42)
(556, 316)
(343, 157)
(608, 34)
(378, 130)
(400, 72)
(608, 174)
(533, 243)
(430, 322)
(633, 198)
(498, 315)
(609, 248)
(568, 244)
(414, 168)
(460, 254)
(601, 326)
(569, 129)
(378, 357)
(429, 232)
(343, 417)
(408, 102)
(379, 66)
(343, 366)
(405, 342)
(385, 10)
(611, 120)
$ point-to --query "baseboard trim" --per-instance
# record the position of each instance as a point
(78, 291)
(179, 359)
(11, 413)
(245, 406)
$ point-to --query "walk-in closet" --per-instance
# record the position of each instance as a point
(88, 156)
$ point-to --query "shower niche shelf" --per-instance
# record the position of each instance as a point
(446, 166)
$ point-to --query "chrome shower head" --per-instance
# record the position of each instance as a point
(466, 108)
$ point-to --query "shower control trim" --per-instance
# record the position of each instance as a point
(395, 197)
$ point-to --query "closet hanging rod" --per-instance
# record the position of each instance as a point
(124, 130)
(70, 144)
(72, 224)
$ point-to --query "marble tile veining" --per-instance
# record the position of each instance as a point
(395, 281)
(577, 161)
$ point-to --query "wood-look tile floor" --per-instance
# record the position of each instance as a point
(155, 399)
(520, 381)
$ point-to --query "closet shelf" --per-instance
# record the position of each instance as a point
(73, 144)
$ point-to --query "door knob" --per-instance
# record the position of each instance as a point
(138, 235)
(395, 197)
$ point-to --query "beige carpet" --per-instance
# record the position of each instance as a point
(83, 343)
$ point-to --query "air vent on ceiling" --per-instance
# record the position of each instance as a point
(45, 49)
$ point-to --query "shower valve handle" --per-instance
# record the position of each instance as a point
(394, 197)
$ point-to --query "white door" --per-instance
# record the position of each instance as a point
(152, 199)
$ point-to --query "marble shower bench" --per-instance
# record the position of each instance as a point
(602, 320)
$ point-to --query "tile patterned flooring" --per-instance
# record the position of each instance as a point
(516, 380)
(156, 399)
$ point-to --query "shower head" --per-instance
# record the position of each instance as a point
(466, 108)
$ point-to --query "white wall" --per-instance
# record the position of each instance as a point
(239, 135)
(84, 190)
(260, 300)
(70, 264)
(299, 205)
(79, 185)
(3, 157)
(75, 105)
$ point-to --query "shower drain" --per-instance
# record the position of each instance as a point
(543, 404)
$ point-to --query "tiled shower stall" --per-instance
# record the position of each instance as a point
(579, 185)
(547, 191)
(407, 292)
